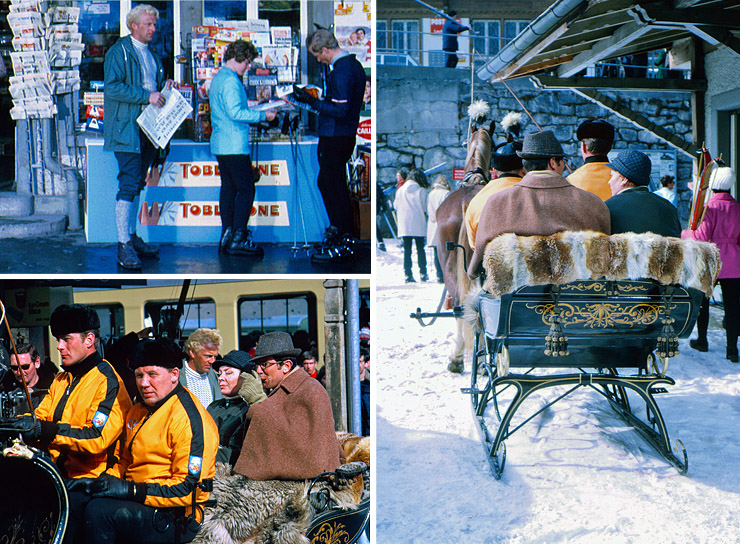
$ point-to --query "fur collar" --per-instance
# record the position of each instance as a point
(512, 261)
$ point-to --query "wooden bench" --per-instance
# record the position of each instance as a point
(614, 334)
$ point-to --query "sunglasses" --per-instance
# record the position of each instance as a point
(14, 368)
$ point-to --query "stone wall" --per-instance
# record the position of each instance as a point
(422, 120)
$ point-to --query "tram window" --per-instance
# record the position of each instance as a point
(111, 320)
(286, 313)
(196, 314)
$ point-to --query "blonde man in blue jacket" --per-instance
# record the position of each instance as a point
(134, 77)
(230, 117)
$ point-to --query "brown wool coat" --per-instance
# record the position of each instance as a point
(291, 434)
(543, 203)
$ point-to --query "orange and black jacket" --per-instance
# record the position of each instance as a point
(82, 417)
(170, 447)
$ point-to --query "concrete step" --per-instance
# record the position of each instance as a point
(14, 205)
(32, 226)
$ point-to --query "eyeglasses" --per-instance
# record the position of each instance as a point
(26, 366)
(263, 366)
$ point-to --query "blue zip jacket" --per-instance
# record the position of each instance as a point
(124, 95)
(339, 111)
(230, 114)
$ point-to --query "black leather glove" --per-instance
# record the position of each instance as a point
(301, 95)
(29, 427)
(79, 484)
(115, 488)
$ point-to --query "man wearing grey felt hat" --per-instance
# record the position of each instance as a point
(290, 433)
(542, 203)
(633, 208)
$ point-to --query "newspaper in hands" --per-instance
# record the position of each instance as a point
(160, 124)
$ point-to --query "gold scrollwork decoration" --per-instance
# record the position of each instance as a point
(600, 287)
(14, 531)
(331, 533)
(601, 314)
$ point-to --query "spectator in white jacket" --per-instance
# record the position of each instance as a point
(411, 209)
(440, 191)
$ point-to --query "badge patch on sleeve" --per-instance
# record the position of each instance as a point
(194, 465)
(99, 420)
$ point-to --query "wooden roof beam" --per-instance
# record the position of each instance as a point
(604, 49)
(640, 121)
(621, 83)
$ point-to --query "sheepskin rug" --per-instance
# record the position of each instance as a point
(274, 511)
(512, 261)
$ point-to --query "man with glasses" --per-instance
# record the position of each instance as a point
(27, 366)
(201, 349)
(290, 434)
(542, 203)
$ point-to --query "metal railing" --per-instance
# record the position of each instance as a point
(402, 49)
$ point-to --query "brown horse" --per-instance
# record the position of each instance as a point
(451, 220)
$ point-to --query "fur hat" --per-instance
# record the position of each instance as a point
(723, 179)
(240, 360)
(69, 318)
(160, 352)
(634, 165)
(595, 128)
(505, 158)
(275, 345)
(541, 145)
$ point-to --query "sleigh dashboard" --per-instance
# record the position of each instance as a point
(597, 317)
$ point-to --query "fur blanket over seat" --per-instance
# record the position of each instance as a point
(512, 261)
(273, 511)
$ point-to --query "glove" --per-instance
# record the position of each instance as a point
(302, 95)
(115, 488)
(251, 390)
(79, 484)
(29, 427)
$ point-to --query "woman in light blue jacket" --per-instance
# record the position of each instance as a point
(230, 117)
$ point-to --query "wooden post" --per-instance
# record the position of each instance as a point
(334, 355)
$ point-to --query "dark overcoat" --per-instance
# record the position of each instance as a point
(638, 210)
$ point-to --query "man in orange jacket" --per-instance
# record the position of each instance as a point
(168, 454)
(596, 138)
(81, 418)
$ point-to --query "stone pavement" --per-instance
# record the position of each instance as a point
(69, 253)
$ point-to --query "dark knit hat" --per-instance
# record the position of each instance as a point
(505, 158)
(634, 165)
(238, 359)
(541, 145)
(160, 352)
(595, 128)
(275, 345)
(69, 318)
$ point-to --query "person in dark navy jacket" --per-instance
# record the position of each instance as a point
(339, 116)
(633, 208)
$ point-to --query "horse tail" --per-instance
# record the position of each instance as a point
(464, 283)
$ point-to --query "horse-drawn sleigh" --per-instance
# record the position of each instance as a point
(582, 309)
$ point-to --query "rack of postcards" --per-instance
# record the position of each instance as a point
(269, 79)
(47, 50)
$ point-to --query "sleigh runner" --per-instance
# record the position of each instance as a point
(582, 309)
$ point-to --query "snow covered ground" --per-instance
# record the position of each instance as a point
(575, 474)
